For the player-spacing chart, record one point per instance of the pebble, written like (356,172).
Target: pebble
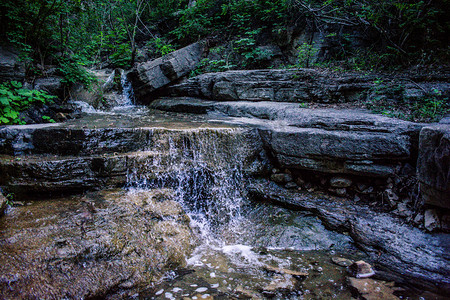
(343,262)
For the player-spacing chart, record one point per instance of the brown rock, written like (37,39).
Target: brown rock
(370,289)
(284,271)
(340,261)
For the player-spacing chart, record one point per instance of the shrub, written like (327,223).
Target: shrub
(14,99)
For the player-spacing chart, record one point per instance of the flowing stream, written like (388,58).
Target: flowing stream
(183,216)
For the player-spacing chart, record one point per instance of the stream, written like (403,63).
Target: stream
(182,227)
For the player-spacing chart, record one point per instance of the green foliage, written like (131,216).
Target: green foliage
(121,57)
(73,72)
(14,99)
(390,101)
(161,46)
(305,56)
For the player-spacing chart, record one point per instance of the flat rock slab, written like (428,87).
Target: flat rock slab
(327,140)
(92,245)
(298,85)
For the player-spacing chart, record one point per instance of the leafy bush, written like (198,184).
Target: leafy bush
(160,46)
(305,56)
(389,100)
(73,72)
(14,99)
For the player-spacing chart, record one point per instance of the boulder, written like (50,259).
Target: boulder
(150,76)
(433,165)
(52,85)
(11,68)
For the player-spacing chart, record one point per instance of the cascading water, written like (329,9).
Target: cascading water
(127,97)
(200,167)
(238,240)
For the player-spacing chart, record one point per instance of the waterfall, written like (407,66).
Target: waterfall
(127,96)
(203,167)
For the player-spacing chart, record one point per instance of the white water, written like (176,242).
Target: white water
(124,102)
(204,169)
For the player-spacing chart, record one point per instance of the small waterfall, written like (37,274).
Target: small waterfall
(203,167)
(127,96)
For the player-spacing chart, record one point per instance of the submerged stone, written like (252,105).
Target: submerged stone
(370,289)
(90,246)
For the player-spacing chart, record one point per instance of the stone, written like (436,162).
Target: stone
(291,185)
(301,85)
(403,210)
(431,220)
(11,68)
(418,219)
(99,243)
(330,141)
(390,196)
(340,261)
(404,251)
(150,76)
(433,165)
(370,289)
(3,204)
(281,178)
(86,153)
(280,283)
(340,182)
(283,271)
(361,269)
(52,84)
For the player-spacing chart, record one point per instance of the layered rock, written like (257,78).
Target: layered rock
(150,76)
(62,158)
(299,85)
(433,166)
(11,68)
(393,245)
(326,140)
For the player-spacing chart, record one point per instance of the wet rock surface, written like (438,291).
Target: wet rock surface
(87,153)
(395,247)
(92,245)
(370,289)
